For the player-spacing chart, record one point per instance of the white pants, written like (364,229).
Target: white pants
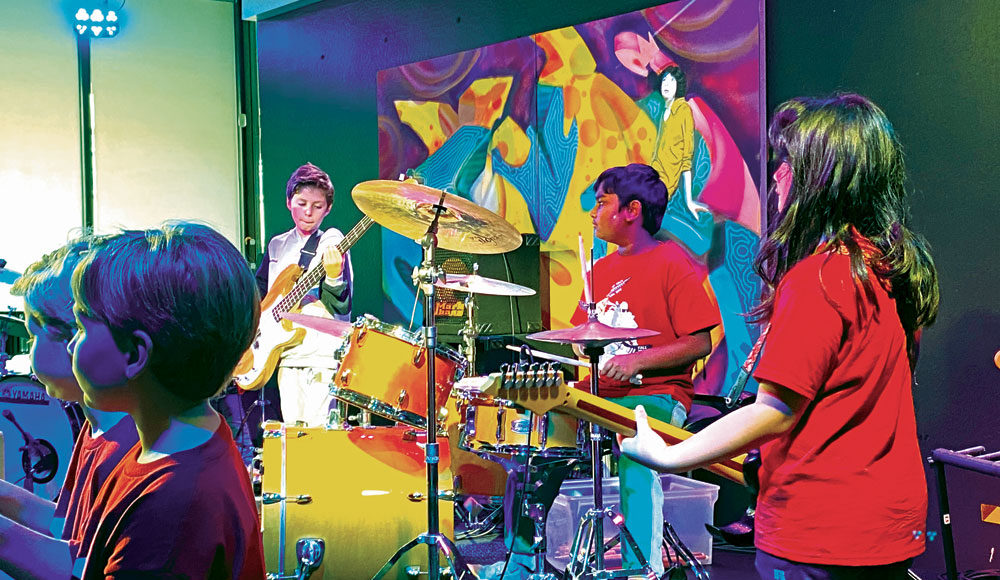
(305,395)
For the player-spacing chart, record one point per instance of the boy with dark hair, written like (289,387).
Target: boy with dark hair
(163,316)
(38,532)
(646,283)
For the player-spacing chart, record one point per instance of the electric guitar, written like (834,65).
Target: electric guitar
(274,333)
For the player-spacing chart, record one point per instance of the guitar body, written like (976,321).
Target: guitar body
(274,334)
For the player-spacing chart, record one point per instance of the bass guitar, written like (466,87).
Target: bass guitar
(274,333)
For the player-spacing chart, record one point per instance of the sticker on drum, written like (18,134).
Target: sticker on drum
(383,368)
(38,435)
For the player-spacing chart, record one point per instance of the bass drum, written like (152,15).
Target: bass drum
(38,433)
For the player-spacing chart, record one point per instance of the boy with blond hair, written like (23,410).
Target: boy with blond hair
(163,315)
(39,533)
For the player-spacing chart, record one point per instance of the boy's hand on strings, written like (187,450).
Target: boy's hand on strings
(333,262)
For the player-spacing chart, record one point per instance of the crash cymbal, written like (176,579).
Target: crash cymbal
(324,325)
(476,284)
(407,208)
(592,333)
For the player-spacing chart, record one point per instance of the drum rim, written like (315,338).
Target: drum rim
(370,322)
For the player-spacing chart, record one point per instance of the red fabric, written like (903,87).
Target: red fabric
(188,515)
(845,486)
(93,460)
(660,289)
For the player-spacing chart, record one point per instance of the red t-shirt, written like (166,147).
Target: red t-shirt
(93,460)
(663,289)
(188,515)
(845,486)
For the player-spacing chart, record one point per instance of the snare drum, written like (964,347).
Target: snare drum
(493,425)
(51,423)
(382,368)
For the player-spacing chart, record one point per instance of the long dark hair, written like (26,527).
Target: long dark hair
(848,191)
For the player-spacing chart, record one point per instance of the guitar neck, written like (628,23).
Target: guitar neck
(312,277)
(583,405)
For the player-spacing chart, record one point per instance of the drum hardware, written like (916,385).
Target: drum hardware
(39,459)
(47,439)
(272,498)
(536,512)
(437,219)
(587,552)
(417,496)
(309,553)
(11,326)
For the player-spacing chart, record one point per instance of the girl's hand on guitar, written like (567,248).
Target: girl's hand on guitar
(333,262)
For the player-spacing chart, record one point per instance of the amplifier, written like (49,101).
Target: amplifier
(495,315)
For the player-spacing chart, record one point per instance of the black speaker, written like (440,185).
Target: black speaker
(495,315)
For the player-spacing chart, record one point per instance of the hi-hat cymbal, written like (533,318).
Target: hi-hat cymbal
(407,208)
(592,333)
(476,284)
(324,325)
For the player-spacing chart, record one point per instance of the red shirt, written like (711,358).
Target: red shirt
(93,460)
(845,486)
(188,515)
(663,289)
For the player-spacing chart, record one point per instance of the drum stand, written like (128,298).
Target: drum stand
(424,277)
(587,553)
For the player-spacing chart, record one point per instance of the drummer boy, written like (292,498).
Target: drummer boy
(41,538)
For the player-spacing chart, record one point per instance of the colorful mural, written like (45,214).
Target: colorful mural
(524,127)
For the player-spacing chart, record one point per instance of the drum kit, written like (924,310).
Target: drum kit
(408,377)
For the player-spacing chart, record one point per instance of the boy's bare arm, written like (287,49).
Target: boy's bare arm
(26,508)
(28,555)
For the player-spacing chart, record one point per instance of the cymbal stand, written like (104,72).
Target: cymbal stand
(469,332)
(424,277)
(590,535)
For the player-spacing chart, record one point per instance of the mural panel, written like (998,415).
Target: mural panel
(524,127)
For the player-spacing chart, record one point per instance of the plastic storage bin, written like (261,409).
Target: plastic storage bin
(687,504)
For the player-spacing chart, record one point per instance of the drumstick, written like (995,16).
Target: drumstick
(583,270)
(636,380)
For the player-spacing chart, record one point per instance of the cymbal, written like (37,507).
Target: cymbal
(407,208)
(591,333)
(324,325)
(476,284)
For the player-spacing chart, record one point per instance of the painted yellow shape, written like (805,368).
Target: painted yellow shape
(566,56)
(432,122)
(483,102)
(990,513)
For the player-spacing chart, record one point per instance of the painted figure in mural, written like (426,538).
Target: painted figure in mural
(162,317)
(306,370)
(673,150)
(40,534)
(848,289)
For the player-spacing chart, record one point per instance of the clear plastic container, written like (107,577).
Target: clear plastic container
(687,504)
